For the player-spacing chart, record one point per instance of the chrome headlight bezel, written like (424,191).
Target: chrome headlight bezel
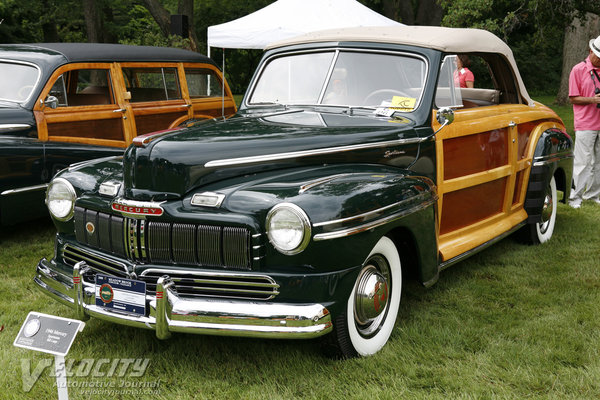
(69,190)
(303,227)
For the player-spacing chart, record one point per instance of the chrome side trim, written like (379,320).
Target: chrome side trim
(14,127)
(366,215)
(318,182)
(81,164)
(550,159)
(8,192)
(373,224)
(307,153)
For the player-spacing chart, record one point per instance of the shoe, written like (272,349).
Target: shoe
(575,204)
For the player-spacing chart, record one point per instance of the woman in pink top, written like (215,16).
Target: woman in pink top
(464,76)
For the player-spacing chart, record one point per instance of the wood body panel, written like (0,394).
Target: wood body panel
(483,163)
(114,120)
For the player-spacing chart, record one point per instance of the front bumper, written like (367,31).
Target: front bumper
(169,312)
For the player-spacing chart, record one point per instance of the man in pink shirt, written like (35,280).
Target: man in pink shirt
(584,93)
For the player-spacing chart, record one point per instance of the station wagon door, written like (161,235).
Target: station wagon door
(208,96)
(156,97)
(89,109)
(480,158)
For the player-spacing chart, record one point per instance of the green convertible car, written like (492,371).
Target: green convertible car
(355,159)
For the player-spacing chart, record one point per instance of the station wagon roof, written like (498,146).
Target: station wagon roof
(105,52)
(447,40)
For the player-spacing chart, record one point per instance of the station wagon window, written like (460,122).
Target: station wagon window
(17,81)
(203,82)
(494,83)
(152,84)
(83,87)
(344,78)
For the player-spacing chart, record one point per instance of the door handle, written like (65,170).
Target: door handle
(120,110)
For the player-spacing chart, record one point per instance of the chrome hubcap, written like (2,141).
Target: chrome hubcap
(546,212)
(372,296)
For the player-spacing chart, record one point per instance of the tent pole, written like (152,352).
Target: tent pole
(223,88)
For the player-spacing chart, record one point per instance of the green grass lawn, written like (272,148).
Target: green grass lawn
(513,321)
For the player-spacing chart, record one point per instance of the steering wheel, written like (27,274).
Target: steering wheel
(382,94)
(24,91)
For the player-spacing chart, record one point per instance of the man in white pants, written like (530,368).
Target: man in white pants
(584,93)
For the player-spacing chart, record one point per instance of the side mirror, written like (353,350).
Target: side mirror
(51,101)
(444,116)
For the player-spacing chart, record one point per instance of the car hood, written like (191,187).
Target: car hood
(172,165)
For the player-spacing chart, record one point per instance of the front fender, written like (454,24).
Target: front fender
(349,208)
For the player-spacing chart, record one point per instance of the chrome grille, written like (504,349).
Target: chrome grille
(200,284)
(164,242)
(187,283)
(72,255)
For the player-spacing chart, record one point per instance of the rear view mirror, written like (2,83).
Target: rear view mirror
(444,116)
(51,101)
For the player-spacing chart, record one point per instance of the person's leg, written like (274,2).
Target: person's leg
(593,190)
(582,165)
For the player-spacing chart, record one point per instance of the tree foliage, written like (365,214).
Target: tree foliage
(534,29)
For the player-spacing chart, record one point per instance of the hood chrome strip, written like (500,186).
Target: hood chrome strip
(228,162)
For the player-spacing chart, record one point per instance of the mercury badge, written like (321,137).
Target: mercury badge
(137,209)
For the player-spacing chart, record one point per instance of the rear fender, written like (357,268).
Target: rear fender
(551,156)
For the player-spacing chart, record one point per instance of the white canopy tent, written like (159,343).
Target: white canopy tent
(288,18)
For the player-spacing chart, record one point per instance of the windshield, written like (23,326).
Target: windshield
(17,81)
(344,78)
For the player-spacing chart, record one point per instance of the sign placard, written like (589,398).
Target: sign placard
(121,294)
(48,333)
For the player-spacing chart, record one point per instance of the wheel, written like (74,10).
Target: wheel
(377,96)
(541,232)
(371,311)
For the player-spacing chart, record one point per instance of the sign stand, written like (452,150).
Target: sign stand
(53,335)
(61,378)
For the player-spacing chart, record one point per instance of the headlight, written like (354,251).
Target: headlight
(60,199)
(288,228)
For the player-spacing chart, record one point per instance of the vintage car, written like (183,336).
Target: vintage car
(62,103)
(354,161)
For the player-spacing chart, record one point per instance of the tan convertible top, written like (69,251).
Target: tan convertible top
(448,40)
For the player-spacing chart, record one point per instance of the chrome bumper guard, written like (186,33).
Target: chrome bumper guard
(167,312)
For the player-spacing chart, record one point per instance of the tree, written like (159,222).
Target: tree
(576,49)
(535,30)
(409,12)
(93,21)
(163,18)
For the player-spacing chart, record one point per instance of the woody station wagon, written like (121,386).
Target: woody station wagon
(62,103)
(355,158)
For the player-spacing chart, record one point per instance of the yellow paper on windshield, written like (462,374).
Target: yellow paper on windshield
(403,103)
